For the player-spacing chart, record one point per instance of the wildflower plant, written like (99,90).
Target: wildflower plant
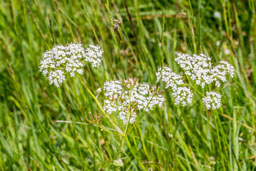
(129,96)
(61,61)
(200,71)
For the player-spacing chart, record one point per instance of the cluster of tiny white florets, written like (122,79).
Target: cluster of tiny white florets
(219,72)
(70,59)
(170,78)
(199,68)
(94,55)
(128,96)
(212,100)
(182,95)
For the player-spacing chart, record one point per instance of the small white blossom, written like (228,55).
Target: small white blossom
(118,162)
(113,89)
(226,51)
(197,67)
(56,77)
(146,96)
(217,14)
(70,59)
(171,79)
(94,55)
(218,43)
(183,96)
(219,72)
(98,90)
(212,100)
(128,97)
(127,114)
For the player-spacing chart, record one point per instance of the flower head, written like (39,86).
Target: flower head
(212,100)
(219,72)
(171,79)
(94,55)
(129,96)
(197,67)
(183,96)
(113,89)
(70,59)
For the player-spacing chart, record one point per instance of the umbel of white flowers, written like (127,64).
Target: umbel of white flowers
(212,100)
(182,94)
(129,96)
(70,59)
(199,69)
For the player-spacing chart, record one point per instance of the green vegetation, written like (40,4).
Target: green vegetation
(167,138)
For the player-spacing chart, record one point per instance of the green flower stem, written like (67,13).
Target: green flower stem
(129,108)
(191,85)
(218,127)
(133,153)
(83,123)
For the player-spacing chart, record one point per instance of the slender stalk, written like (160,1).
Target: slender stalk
(83,123)
(217,123)
(126,128)
(194,88)
(133,153)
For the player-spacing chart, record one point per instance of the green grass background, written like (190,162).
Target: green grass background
(168,138)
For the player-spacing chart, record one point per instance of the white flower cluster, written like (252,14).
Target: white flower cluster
(171,79)
(212,100)
(199,68)
(60,60)
(219,72)
(128,96)
(94,55)
(182,95)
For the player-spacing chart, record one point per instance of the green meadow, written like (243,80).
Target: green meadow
(44,127)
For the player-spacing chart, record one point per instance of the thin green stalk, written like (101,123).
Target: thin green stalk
(219,147)
(133,153)
(142,142)
(83,123)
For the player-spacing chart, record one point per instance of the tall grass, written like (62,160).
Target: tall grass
(168,138)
